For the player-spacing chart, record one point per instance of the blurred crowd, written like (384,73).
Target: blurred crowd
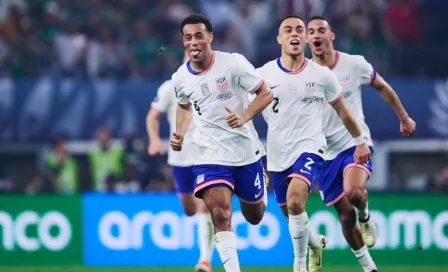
(109,166)
(121,38)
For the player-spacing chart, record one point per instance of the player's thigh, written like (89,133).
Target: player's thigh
(214,184)
(249,183)
(183,183)
(183,179)
(346,211)
(305,170)
(200,205)
(355,175)
(280,185)
(209,176)
(218,201)
(331,181)
(250,189)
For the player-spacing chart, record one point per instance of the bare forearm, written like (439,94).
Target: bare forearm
(391,98)
(263,99)
(351,124)
(183,118)
(152,125)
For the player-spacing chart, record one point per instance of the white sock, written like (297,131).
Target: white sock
(313,238)
(364,258)
(299,238)
(205,234)
(226,246)
(363,214)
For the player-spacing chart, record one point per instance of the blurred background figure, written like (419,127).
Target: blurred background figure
(106,161)
(58,170)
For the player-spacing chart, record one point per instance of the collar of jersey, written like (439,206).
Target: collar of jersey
(279,63)
(196,73)
(335,61)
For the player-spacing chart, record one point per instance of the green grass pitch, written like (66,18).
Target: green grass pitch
(270,269)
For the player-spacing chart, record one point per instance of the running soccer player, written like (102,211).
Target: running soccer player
(182,168)
(342,181)
(213,87)
(295,140)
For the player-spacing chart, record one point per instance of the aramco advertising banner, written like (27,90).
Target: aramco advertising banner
(151,230)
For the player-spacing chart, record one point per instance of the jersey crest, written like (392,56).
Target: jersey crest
(221,83)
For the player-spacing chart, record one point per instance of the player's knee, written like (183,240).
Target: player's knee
(355,195)
(347,217)
(221,216)
(295,204)
(190,210)
(255,216)
(254,219)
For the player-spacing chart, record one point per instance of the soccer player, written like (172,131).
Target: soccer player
(213,87)
(342,181)
(182,168)
(296,141)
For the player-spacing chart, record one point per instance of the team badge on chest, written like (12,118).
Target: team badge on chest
(221,83)
(309,87)
(345,83)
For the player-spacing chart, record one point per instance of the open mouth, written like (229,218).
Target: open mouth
(295,42)
(317,43)
(195,52)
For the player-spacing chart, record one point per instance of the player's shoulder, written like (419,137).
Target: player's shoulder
(314,67)
(181,73)
(346,58)
(227,57)
(268,66)
(165,87)
(166,84)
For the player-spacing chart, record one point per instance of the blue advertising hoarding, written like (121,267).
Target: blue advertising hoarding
(151,230)
(40,109)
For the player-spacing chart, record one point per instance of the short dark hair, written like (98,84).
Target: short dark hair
(323,18)
(287,17)
(196,18)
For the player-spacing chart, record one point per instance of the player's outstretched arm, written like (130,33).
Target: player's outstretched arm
(152,128)
(407,125)
(263,99)
(362,153)
(183,119)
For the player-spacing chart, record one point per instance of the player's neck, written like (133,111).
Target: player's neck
(328,59)
(292,63)
(203,65)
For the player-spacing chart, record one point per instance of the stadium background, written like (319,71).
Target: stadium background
(73,71)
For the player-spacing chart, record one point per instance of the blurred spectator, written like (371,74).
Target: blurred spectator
(362,40)
(58,171)
(144,48)
(120,39)
(71,48)
(106,161)
(107,57)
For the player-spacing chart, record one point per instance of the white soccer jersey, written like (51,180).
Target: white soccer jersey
(165,101)
(225,82)
(352,72)
(295,117)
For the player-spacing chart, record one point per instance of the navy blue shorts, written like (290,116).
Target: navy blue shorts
(246,181)
(306,167)
(331,176)
(183,179)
